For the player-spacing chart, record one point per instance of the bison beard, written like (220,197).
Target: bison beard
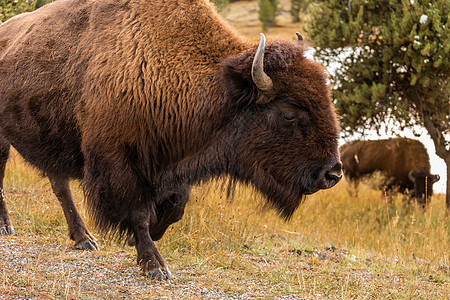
(140,100)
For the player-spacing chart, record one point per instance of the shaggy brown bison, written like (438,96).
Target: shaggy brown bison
(404,163)
(141,99)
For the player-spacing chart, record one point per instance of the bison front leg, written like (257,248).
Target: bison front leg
(169,210)
(148,257)
(77,229)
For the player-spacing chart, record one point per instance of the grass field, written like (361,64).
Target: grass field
(337,246)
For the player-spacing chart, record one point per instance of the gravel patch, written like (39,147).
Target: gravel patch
(30,270)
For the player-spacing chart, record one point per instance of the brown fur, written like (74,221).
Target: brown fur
(395,158)
(142,99)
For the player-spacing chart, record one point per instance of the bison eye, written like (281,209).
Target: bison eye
(289,116)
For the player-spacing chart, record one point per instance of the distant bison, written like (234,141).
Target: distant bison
(142,99)
(404,162)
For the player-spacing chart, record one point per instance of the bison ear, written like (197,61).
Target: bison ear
(411,176)
(239,87)
(244,78)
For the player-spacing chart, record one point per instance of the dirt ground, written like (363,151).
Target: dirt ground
(243,15)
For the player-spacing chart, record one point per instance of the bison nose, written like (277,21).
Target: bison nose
(332,176)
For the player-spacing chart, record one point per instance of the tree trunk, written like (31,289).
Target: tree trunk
(439,144)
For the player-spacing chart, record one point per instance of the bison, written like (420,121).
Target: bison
(142,99)
(403,162)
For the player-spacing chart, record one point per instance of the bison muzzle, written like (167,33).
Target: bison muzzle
(142,99)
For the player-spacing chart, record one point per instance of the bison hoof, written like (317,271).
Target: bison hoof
(7,231)
(87,245)
(159,274)
(168,273)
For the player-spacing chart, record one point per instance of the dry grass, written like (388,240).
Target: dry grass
(337,245)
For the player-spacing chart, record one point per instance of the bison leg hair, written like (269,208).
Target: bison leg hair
(352,187)
(78,231)
(168,211)
(148,257)
(6,227)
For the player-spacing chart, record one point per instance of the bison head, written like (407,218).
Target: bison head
(284,140)
(423,184)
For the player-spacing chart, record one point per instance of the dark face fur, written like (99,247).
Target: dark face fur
(285,140)
(423,185)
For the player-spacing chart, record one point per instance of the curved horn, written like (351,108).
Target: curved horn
(411,176)
(261,79)
(436,177)
(299,36)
